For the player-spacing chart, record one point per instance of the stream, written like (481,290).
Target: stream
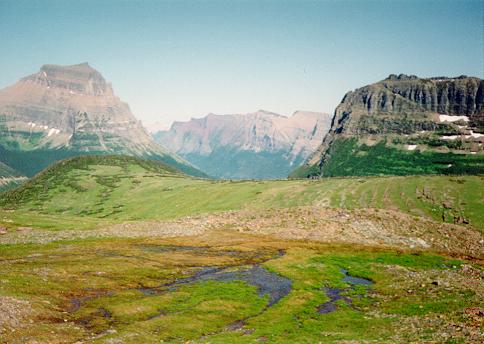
(268,283)
(334,294)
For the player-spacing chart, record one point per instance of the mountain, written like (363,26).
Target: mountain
(7,171)
(155,127)
(405,125)
(260,145)
(64,111)
(9,177)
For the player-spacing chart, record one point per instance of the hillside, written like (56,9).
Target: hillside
(259,145)
(103,249)
(405,125)
(83,191)
(9,177)
(64,111)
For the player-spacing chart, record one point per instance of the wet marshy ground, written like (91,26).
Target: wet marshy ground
(232,266)
(217,289)
(268,284)
(335,294)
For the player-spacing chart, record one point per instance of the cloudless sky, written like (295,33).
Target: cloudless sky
(172,60)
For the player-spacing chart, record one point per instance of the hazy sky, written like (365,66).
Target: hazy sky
(172,60)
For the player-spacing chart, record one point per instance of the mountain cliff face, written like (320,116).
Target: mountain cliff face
(9,177)
(405,125)
(70,110)
(260,145)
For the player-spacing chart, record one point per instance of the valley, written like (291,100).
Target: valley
(241,172)
(114,249)
(258,145)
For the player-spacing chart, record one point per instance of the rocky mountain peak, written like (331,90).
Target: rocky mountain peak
(438,115)
(73,110)
(77,79)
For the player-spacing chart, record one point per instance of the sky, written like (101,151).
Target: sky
(173,60)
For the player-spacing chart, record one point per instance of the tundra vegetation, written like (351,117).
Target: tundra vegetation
(109,249)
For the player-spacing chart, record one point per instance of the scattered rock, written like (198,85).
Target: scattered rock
(447,204)
(13,312)
(474,311)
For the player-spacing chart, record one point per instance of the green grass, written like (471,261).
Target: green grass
(29,162)
(105,275)
(83,192)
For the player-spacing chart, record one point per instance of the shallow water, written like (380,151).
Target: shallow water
(334,294)
(355,280)
(267,283)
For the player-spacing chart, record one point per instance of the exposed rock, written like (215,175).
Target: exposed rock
(255,145)
(72,108)
(438,114)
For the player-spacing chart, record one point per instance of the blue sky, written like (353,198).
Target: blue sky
(172,60)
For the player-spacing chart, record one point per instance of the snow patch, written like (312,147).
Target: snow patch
(411,147)
(447,118)
(450,137)
(53,131)
(475,135)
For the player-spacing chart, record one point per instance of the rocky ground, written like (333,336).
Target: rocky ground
(362,226)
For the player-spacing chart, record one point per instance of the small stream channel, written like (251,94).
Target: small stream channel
(268,283)
(334,294)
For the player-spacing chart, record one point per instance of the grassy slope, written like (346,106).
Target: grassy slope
(103,276)
(31,162)
(74,196)
(347,158)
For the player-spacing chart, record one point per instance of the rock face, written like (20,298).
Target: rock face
(71,109)
(431,123)
(7,171)
(256,145)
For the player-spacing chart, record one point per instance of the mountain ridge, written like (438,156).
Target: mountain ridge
(244,146)
(437,122)
(72,110)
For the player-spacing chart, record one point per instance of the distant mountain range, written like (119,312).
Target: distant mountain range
(259,145)
(405,125)
(64,111)
(398,126)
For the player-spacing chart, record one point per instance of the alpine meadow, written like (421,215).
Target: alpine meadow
(349,210)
